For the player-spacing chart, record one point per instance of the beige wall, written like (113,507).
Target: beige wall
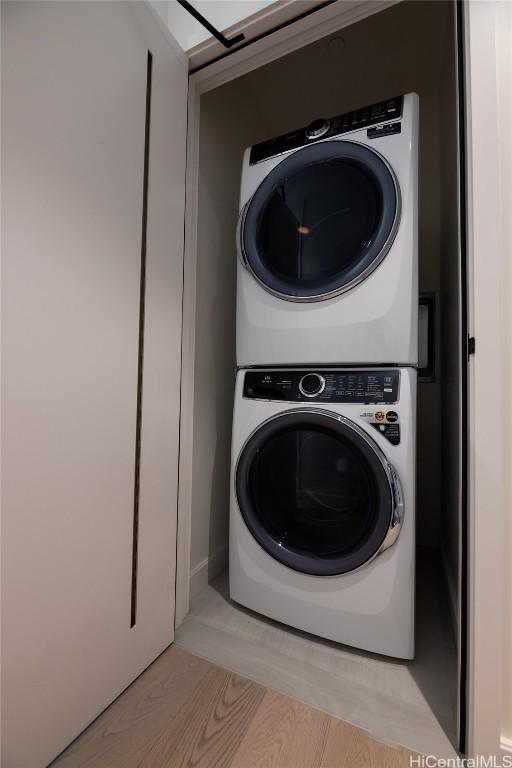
(220,164)
(488,82)
(385,55)
(503,25)
(73,135)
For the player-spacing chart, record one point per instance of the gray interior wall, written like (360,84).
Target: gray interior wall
(393,52)
(219,175)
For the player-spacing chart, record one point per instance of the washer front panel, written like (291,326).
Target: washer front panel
(314,492)
(321,221)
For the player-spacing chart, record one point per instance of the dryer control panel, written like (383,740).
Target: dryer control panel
(325,129)
(324,385)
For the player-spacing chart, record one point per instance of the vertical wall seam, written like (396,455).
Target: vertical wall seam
(140,368)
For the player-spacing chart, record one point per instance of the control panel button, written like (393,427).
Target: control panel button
(311,384)
(392,416)
(317,128)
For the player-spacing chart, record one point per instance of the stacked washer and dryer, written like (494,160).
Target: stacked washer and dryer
(322,520)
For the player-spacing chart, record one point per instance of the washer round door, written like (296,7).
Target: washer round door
(321,221)
(316,492)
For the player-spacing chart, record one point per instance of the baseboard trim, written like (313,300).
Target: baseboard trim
(207,569)
(452,595)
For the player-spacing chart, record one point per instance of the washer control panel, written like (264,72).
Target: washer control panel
(383,111)
(324,385)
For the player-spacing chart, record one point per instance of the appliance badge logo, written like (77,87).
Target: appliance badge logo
(385,422)
(379,416)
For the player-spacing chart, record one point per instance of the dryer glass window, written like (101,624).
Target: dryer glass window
(316,497)
(321,221)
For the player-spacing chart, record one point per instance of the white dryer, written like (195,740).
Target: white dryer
(322,520)
(328,244)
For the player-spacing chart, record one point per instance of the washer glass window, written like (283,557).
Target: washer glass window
(314,494)
(321,220)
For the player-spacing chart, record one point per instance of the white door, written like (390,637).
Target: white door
(488,130)
(88,596)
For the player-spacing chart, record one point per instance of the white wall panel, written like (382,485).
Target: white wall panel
(73,133)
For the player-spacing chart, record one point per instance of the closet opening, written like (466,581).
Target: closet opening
(409,48)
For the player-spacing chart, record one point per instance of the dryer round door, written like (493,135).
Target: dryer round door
(321,221)
(316,492)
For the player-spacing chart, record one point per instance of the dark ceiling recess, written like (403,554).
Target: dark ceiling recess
(211,29)
(234,41)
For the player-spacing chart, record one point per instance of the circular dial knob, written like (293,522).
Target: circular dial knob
(317,128)
(312,384)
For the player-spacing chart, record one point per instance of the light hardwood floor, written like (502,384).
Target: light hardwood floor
(408,703)
(186,712)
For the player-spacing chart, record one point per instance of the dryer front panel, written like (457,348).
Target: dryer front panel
(316,492)
(321,221)
(327,272)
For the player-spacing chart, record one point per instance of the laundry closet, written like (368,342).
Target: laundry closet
(408,48)
(122,246)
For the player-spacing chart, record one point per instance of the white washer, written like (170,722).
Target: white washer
(322,528)
(327,242)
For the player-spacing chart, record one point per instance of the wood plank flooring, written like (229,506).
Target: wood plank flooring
(185,712)
(410,703)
